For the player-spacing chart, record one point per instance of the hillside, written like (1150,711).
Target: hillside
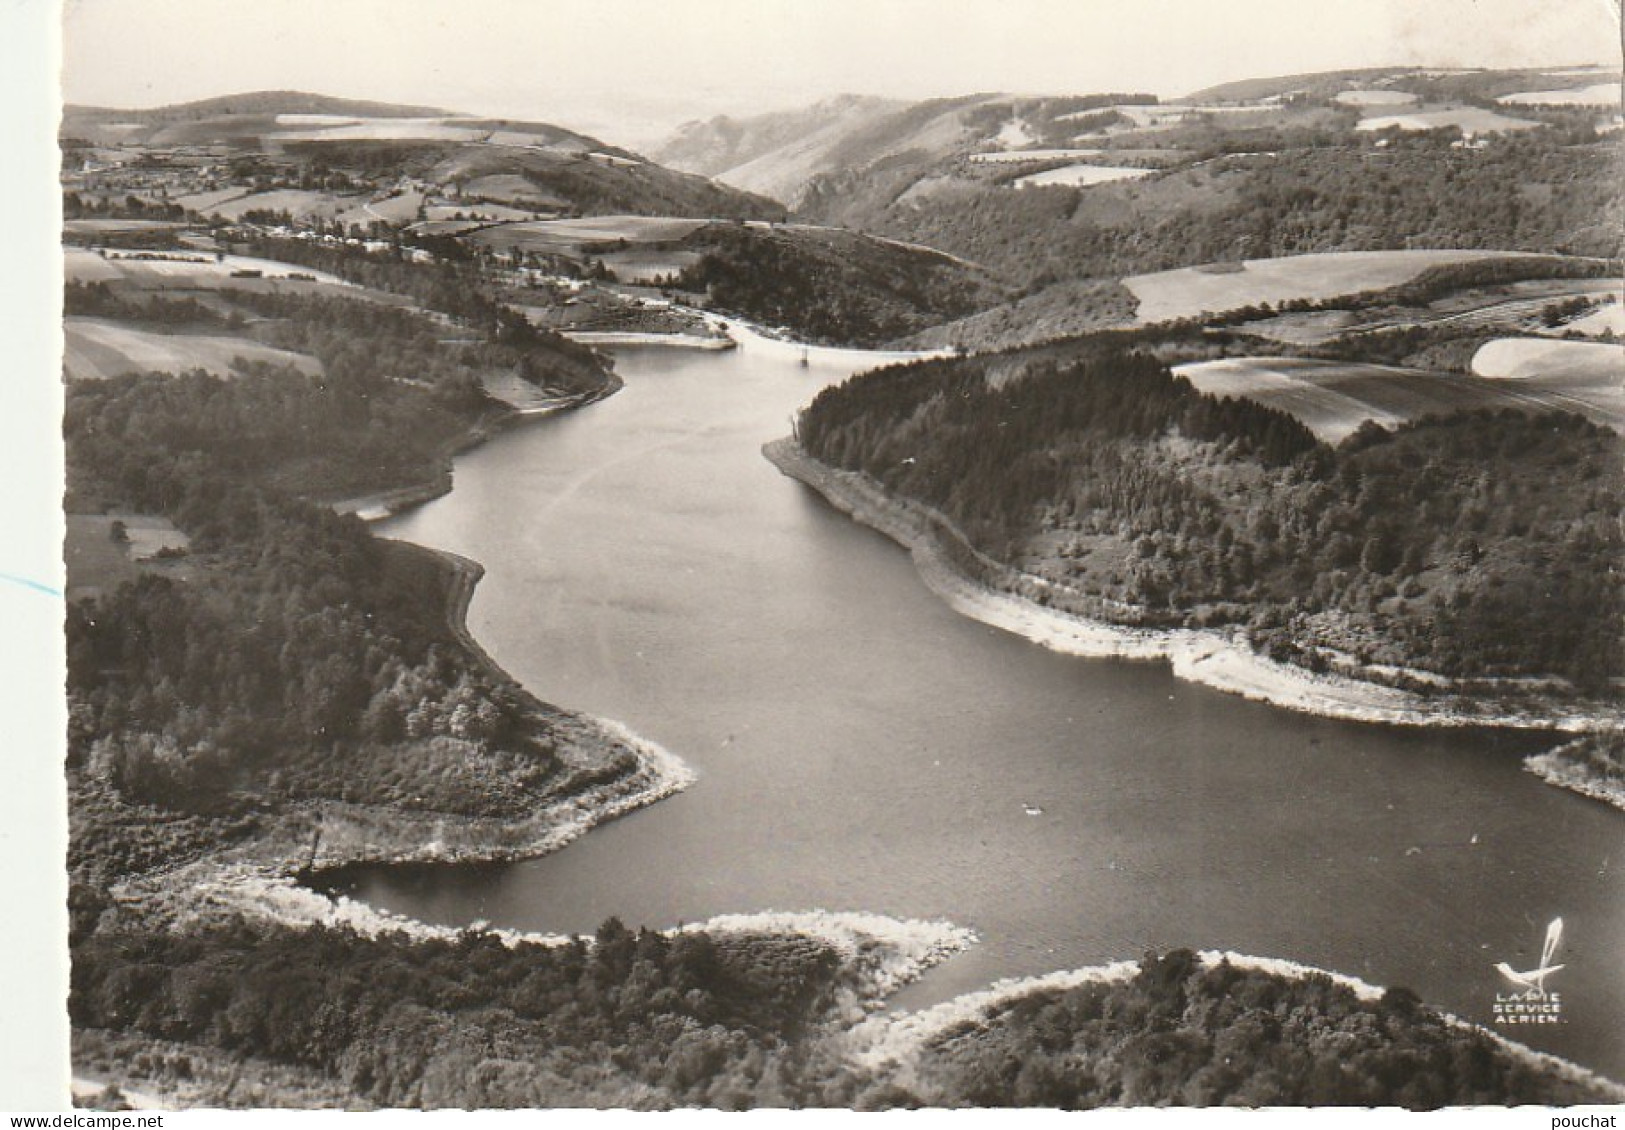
(781,154)
(1120,492)
(252,102)
(364,154)
(1062,197)
(1314,194)
(773,154)
(1202,1031)
(1464,82)
(828,285)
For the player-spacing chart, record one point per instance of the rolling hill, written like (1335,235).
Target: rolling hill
(773,154)
(279,136)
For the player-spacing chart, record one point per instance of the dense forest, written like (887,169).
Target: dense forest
(831,286)
(392,392)
(1182,1033)
(622,1019)
(1479,545)
(300,658)
(644,1020)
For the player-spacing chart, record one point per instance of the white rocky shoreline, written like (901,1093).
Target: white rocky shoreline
(1554,770)
(895,1040)
(1221,660)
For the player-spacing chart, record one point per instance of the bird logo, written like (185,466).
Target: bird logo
(1535,979)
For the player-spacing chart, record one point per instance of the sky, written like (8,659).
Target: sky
(631,70)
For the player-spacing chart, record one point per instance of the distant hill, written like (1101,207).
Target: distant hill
(1060,197)
(1454,82)
(1315,82)
(255,102)
(780,154)
(774,154)
(481,157)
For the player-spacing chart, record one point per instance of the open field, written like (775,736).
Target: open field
(182,271)
(385,129)
(1526,358)
(509,188)
(1600,94)
(206,202)
(1375,98)
(1512,306)
(1609,320)
(1077,176)
(104,227)
(1332,398)
(645,265)
(447,227)
(96,349)
(295,121)
(296,202)
(399,209)
(524,139)
(1469,119)
(1588,377)
(567,235)
(97,564)
(477,210)
(1211,288)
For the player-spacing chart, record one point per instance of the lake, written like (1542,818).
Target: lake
(862,747)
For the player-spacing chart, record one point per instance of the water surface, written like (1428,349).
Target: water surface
(862,747)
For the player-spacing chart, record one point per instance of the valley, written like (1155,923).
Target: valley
(1286,417)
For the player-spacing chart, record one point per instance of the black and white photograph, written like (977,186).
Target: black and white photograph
(844,555)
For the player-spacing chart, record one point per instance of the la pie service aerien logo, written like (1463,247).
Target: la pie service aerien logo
(1529,1002)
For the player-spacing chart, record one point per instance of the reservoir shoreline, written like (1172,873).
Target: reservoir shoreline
(267,877)
(1216,659)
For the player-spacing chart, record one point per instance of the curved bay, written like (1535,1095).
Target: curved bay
(862,747)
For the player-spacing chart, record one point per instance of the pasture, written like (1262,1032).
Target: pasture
(299,203)
(1191,291)
(401,208)
(205,203)
(648,265)
(1599,94)
(385,129)
(97,349)
(447,227)
(1528,358)
(1510,306)
(97,563)
(118,226)
(184,271)
(1468,119)
(519,139)
(565,236)
(1375,98)
(1608,320)
(1587,376)
(489,213)
(1332,398)
(509,188)
(1081,176)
